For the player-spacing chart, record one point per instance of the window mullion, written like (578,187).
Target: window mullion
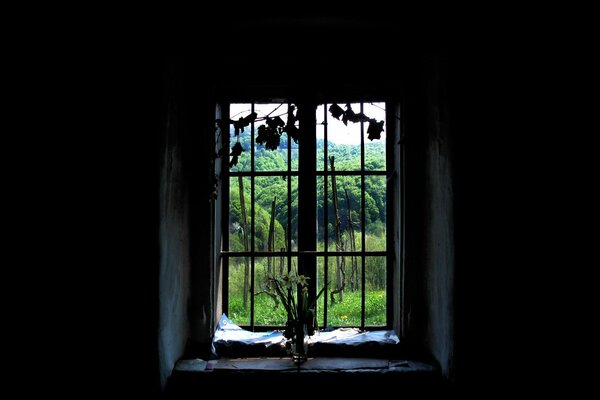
(307,193)
(325,216)
(252,215)
(362,220)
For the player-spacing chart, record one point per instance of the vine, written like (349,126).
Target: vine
(269,134)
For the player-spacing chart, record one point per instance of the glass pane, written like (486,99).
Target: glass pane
(321,234)
(343,142)
(344,213)
(268,159)
(294,155)
(237,111)
(294,212)
(321,120)
(375,291)
(320,284)
(240,213)
(374,149)
(268,307)
(239,290)
(270,217)
(344,304)
(375,209)
(293,143)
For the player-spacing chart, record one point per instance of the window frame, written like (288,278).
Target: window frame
(394,213)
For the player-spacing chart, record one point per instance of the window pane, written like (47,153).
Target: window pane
(347,195)
(320,284)
(375,209)
(239,290)
(344,306)
(268,159)
(237,111)
(239,228)
(321,137)
(268,309)
(375,291)
(343,142)
(294,154)
(270,217)
(294,212)
(375,149)
(321,235)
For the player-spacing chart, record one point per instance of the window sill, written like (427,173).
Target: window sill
(337,374)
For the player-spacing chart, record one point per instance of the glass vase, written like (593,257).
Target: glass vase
(299,345)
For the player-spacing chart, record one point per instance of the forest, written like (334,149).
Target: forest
(271,220)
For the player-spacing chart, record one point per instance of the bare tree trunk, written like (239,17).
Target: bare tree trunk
(353,260)
(245,240)
(339,246)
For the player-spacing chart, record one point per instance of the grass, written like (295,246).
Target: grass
(345,313)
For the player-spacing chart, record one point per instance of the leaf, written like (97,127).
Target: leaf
(291,117)
(336,111)
(273,141)
(261,134)
(238,126)
(274,123)
(242,122)
(361,117)
(292,132)
(236,151)
(268,136)
(375,129)
(348,115)
(290,127)
(250,118)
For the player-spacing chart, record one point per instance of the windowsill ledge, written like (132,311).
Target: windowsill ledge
(335,373)
(285,364)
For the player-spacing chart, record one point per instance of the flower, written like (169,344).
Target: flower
(298,309)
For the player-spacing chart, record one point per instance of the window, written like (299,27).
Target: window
(318,207)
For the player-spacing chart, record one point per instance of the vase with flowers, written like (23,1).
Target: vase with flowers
(292,291)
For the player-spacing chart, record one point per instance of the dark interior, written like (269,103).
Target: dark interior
(156,97)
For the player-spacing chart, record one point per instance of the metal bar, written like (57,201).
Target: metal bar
(225,211)
(352,173)
(362,220)
(312,253)
(252,221)
(266,328)
(296,173)
(390,262)
(289,201)
(263,173)
(307,201)
(325,214)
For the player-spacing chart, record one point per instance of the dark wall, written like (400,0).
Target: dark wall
(159,173)
(438,247)
(174,224)
(308,58)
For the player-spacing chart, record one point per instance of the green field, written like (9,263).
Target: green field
(346,313)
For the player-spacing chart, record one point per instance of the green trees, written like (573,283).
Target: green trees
(271,199)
